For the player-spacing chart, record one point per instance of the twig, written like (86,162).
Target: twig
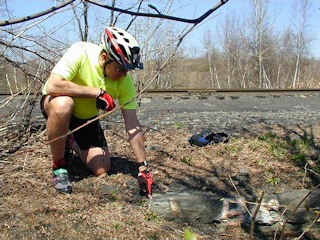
(25,161)
(244,204)
(7,78)
(4,161)
(253,219)
(19,34)
(296,208)
(308,228)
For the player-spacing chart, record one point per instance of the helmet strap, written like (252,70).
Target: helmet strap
(104,67)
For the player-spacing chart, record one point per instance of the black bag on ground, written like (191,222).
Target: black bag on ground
(206,137)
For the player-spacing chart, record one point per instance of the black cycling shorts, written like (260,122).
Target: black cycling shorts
(89,136)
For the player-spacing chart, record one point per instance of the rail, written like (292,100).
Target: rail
(206,91)
(182,91)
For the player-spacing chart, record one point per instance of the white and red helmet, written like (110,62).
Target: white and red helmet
(122,47)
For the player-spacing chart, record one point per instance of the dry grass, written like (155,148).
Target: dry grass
(110,207)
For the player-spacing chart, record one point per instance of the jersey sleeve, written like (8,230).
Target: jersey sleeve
(69,65)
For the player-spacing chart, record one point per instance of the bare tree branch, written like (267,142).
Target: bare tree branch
(193,21)
(132,20)
(27,50)
(112,12)
(40,14)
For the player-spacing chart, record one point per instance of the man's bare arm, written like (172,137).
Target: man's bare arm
(58,86)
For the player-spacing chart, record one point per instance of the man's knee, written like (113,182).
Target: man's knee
(60,106)
(98,161)
(100,168)
(100,171)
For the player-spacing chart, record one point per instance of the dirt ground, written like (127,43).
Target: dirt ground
(110,207)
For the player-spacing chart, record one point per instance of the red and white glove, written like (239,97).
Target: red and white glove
(105,101)
(145,181)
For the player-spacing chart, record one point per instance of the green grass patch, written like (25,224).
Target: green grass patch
(152,216)
(277,146)
(186,160)
(273,179)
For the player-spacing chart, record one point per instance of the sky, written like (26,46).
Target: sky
(281,8)
(193,9)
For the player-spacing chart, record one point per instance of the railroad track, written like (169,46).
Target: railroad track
(237,101)
(190,92)
(213,92)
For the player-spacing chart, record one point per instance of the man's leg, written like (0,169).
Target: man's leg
(92,142)
(97,159)
(58,111)
(71,144)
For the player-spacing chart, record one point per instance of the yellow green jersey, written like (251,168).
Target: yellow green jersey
(80,64)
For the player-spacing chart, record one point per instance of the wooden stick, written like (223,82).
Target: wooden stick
(253,219)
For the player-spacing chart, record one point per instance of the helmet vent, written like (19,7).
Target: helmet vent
(123,50)
(122,47)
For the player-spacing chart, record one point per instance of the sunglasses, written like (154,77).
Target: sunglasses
(120,68)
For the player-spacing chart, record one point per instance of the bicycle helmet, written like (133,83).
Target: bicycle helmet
(122,47)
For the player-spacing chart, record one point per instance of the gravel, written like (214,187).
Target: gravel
(230,113)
